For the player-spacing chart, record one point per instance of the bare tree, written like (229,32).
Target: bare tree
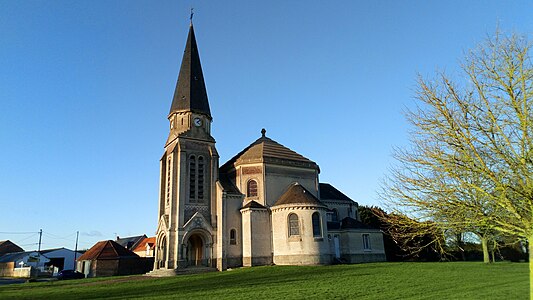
(469,166)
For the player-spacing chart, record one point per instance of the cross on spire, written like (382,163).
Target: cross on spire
(192,14)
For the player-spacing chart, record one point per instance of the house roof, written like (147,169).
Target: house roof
(267,150)
(190,93)
(142,245)
(8,246)
(14,256)
(297,194)
(106,250)
(130,242)
(329,192)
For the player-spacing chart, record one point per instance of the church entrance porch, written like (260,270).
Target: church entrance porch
(161,253)
(197,250)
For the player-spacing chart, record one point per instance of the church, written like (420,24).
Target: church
(264,206)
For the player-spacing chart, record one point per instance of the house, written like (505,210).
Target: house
(21,264)
(9,247)
(131,242)
(146,247)
(108,258)
(264,206)
(45,263)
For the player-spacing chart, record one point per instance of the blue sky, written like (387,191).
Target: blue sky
(85,88)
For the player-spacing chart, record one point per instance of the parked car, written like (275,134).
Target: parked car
(70,274)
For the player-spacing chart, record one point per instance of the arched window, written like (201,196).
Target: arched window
(233,237)
(192,178)
(294,226)
(251,188)
(317,230)
(200,179)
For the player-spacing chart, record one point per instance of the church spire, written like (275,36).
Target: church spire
(190,94)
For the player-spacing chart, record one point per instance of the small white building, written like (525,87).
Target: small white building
(62,258)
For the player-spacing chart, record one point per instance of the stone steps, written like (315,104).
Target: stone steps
(181,271)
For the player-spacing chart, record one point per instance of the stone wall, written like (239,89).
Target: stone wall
(302,249)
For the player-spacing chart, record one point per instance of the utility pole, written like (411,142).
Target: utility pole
(76,249)
(39,250)
(40,237)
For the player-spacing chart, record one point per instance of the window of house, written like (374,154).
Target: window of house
(317,230)
(366,242)
(251,189)
(294,226)
(233,237)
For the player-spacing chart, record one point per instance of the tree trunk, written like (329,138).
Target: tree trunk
(460,245)
(493,250)
(484,245)
(530,250)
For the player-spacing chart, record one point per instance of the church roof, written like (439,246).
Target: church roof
(329,192)
(297,194)
(351,223)
(190,93)
(106,250)
(267,150)
(226,183)
(253,204)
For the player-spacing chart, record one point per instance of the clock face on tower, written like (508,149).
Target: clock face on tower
(197,122)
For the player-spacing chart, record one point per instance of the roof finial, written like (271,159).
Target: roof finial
(263,132)
(192,14)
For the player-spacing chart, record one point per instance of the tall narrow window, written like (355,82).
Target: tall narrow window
(233,237)
(200,179)
(366,242)
(251,189)
(317,230)
(294,226)
(169,168)
(335,215)
(192,178)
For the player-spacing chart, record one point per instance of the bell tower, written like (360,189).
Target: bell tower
(188,172)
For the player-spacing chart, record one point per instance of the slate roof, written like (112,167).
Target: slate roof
(226,183)
(54,249)
(329,192)
(190,93)
(11,257)
(350,223)
(107,250)
(267,150)
(253,204)
(297,194)
(130,242)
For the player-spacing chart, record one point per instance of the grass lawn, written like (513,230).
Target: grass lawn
(455,280)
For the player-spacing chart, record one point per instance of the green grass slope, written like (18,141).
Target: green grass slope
(364,281)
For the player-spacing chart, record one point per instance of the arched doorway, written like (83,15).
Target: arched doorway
(195,250)
(162,252)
